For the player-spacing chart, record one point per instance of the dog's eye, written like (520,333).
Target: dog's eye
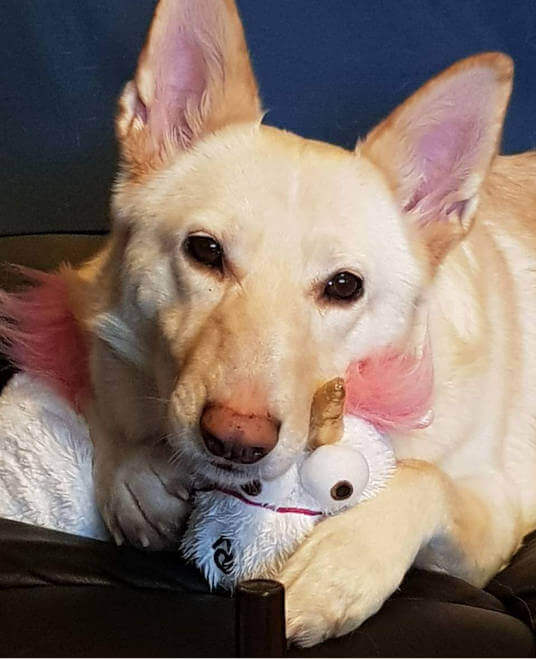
(344,286)
(205,250)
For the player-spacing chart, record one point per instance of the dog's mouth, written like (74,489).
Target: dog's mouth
(206,469)
(223,473)
(242,483)
(232,469)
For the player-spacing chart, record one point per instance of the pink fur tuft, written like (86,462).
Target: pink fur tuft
(392,391)
(40,335)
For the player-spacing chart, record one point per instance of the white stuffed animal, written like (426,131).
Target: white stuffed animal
(234,535)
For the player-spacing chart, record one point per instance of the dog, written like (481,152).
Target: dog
(246,266)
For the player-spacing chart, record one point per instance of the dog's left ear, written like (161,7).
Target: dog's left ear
(437,147)
(193,77)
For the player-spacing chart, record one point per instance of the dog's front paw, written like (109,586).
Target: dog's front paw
(143,499)
(339,577)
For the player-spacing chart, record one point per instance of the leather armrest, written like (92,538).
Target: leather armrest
(515,586)
(62,595)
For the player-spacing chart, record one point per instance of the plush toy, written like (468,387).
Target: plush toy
(236,534)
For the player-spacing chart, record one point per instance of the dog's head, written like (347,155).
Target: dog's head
(254,264)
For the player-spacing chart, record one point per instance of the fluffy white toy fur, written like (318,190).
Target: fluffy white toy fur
(233,536)
(46,479)
(46,460)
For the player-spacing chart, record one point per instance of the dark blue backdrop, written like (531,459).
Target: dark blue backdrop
(328,69)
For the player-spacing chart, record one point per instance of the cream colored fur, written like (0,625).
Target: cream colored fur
(168,335)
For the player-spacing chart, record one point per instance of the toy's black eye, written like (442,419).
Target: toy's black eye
(205,250)
(341,491)
(344,286)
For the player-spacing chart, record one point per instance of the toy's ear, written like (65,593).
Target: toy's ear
(193,77)
(436,148)
(326,425)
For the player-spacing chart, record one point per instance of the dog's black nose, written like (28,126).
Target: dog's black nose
(240,438)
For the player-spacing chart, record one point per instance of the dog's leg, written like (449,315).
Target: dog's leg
(139,493)
(352,562)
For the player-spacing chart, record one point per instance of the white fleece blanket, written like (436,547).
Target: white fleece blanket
(45,460)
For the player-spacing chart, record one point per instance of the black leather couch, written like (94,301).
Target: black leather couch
(62,595)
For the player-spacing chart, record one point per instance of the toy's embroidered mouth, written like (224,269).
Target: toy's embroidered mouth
(275,509)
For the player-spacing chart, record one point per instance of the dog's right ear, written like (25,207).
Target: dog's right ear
(193,77)
(437,147)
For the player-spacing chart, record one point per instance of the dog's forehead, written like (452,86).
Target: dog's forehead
(257,175)
(291,180)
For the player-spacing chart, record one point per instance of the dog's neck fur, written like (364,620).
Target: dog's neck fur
(477,330)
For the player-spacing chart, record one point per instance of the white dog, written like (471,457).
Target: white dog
(246,266)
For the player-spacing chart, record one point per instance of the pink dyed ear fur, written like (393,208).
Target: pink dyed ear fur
(436,147)
(392,391)
(193,77)
(40,335)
